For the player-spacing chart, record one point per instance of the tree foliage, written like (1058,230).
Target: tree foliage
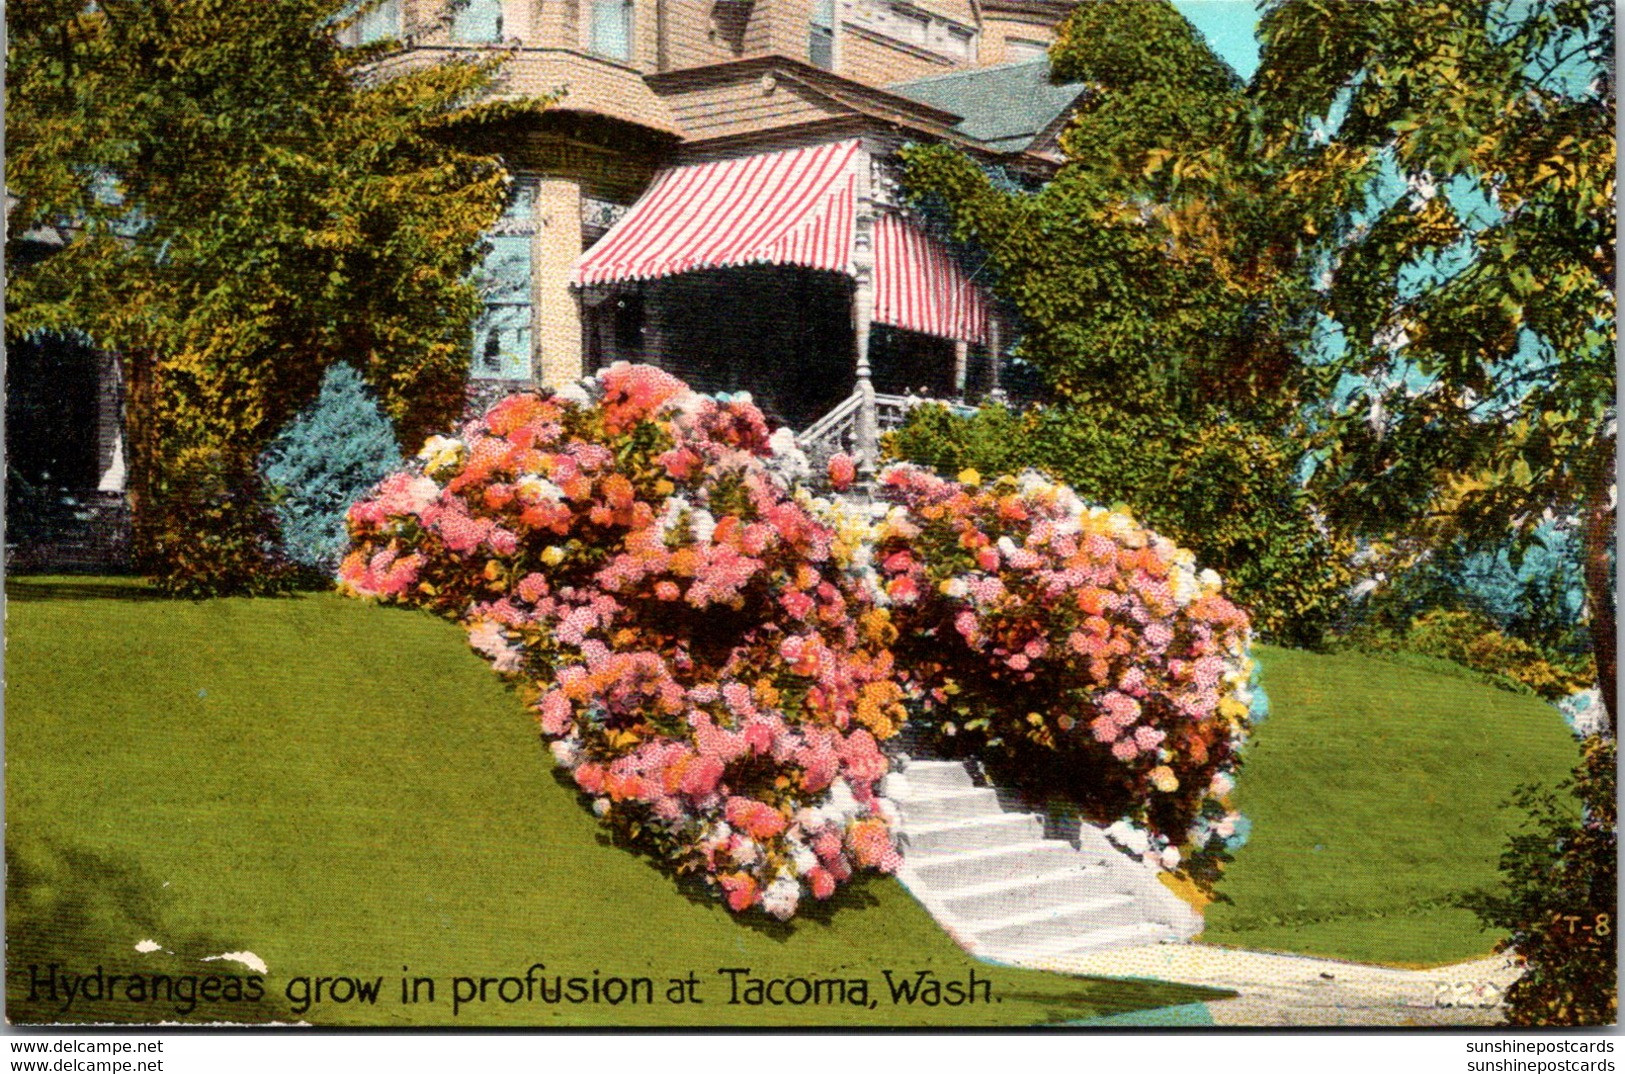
(1156,283)
(1143,288)
(1560,901)
(1461,158)
(1392,252)
(242,204)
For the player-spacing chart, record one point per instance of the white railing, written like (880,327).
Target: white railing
(837,431)
(892,410)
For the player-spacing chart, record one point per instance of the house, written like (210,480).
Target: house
(716,190)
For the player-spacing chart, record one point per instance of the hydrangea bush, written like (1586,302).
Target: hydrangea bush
(717,657)
(1084,654)
(701,652)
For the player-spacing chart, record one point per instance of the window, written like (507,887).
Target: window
(960,44)
(612,28)
(478,20)
(1020,48)
(912,26)
(378,21)
(907,24)
(502,332)
(821,35)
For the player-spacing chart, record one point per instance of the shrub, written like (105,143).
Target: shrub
(1560,900)
(701,650)
(1227,492)
(710,650)
(994,440)
(1539,597)
(206,530)
(1066,644)
(1473,641)
(325,459)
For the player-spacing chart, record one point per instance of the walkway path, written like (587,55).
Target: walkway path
(1292,990)
(1008,891)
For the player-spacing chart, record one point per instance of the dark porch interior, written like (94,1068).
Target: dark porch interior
(782,333)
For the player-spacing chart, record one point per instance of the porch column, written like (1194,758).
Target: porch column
(556,311)
(868,428)
(110,465)
(994,345)
(961,366)
(863,312)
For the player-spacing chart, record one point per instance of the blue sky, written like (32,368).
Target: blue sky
(1228,26)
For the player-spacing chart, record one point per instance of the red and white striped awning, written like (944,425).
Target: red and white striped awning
(790,208)
(797,207)
(919,286)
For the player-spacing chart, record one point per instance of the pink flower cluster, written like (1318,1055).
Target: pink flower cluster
(710,668)
(1044,626)
(717,658)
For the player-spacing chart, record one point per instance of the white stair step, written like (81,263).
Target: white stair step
(1003,898)
(926,777)
(945,873)
(973,833)
(1058,923)
(1080,943)
(1093,842)
(943,806)
(1006,892)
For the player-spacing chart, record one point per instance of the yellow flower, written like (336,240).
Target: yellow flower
(1163,778)
(969,477)
(552,555)
(441,453)
(877,626)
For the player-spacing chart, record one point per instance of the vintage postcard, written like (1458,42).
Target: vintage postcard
(951,514)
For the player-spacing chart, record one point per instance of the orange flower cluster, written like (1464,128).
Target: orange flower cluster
(713,674)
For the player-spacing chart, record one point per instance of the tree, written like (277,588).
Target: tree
(1559,899)
(1150,289)
(1393,252)
(1157,283)
(329,456)
(1462,158)
(243,205)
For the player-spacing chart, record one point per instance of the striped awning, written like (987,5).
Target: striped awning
(790,208)
(919,286)
(797,207)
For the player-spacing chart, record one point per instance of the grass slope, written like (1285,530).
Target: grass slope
(347,790)
(1377,793)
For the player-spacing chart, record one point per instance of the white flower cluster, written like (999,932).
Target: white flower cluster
(679,512)
(788,462)
(537,489)
(1152,849)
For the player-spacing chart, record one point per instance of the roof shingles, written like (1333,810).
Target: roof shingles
(1004,107)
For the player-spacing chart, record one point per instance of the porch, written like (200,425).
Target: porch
(797,277)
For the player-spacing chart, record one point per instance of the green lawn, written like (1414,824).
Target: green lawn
(345,790)
(1377,796)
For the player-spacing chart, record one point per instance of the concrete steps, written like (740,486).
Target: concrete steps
(1009,893)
